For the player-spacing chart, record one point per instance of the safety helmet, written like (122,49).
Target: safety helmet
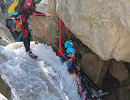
(70,50)
(68,44)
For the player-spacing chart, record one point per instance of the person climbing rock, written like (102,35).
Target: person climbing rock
(69,44)
(85,81)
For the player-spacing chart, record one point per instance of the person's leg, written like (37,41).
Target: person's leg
(26,33)
(26,41)
(89,80)
(26,37)
(92,84)
(85,86)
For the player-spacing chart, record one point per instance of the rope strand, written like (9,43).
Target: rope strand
(59,50)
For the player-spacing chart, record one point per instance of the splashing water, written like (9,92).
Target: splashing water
(44,79)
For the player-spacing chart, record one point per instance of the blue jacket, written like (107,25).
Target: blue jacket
(64,60)
(71,65)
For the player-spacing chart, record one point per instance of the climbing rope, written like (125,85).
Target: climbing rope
(49,38)
(67,32)
(45,15)
(57,47)
(60,47)
(79,84)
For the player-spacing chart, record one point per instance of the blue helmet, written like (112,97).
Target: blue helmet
(68,44)
(70,50)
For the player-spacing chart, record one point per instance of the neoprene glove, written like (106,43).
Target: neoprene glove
(41,14)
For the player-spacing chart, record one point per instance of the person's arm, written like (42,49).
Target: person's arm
(40,14)
(71,66)
(33,9)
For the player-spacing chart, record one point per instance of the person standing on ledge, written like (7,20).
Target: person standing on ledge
(28,8)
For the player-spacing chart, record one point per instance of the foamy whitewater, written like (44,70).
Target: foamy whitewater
(44,79)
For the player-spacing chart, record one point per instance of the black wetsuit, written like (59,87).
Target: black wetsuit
(85,81)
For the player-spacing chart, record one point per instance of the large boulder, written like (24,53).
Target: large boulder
(103,26)
(4,31)
(49,24)
(95,25)
(2,97)
(4,42)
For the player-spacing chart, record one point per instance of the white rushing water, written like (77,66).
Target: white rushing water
(44,79)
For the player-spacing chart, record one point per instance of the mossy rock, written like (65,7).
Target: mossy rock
(126,82)
(4,88)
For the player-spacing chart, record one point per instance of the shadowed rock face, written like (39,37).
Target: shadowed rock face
(118,70)
(118,91)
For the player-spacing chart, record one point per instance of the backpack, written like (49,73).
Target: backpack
(15,7)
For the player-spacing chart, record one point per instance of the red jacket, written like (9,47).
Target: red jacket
(28,7)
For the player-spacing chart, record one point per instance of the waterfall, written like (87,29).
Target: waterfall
(43,79)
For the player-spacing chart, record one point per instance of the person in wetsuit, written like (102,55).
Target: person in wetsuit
(85,81)
(27,9)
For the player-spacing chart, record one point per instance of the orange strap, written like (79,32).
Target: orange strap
(18,24)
